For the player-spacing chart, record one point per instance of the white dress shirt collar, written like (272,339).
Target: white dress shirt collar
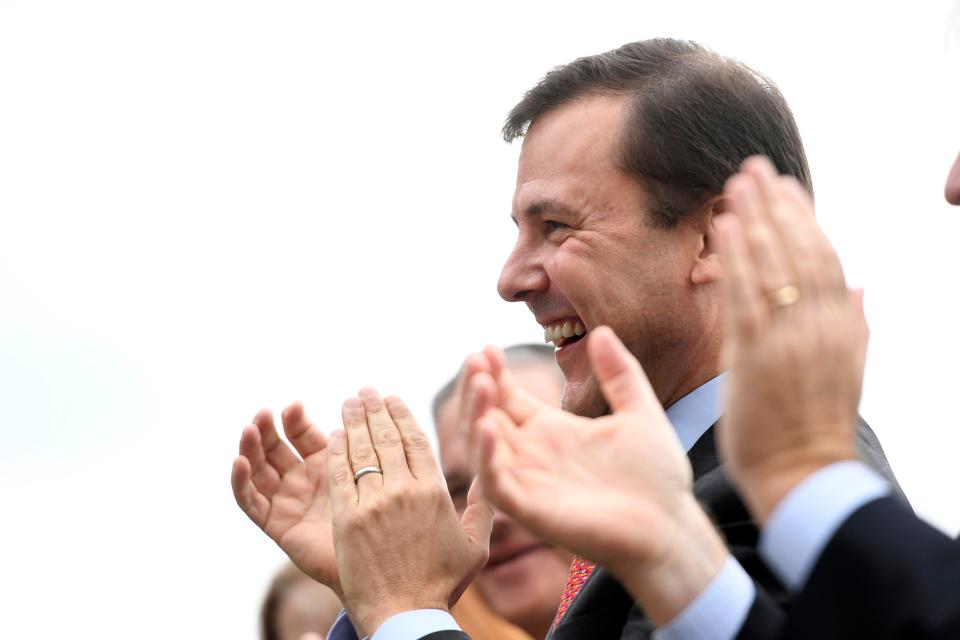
(697,411)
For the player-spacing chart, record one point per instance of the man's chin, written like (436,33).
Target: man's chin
(583,398)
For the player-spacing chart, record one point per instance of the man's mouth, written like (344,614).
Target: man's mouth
(564,332)
(501,558)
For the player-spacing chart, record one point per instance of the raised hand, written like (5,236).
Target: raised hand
(287,495)
(796,340)
(617,490)
(400,545)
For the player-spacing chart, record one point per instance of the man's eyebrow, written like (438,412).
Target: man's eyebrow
(545,205)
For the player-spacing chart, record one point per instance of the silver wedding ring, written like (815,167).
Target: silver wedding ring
(365,470)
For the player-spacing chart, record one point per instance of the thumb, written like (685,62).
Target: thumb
(477,522)
(621,379)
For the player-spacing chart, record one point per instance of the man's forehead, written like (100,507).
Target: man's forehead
(575,136)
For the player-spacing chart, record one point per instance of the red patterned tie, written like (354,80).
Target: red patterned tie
(580,570)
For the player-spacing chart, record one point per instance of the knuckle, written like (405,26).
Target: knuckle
(378,506)
(342,475)
(361,455)
(399,410)
(437,492)
(373,408)
(416,441)
(388,437)
(353,523)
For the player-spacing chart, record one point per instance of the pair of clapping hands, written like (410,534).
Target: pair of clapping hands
(390,542)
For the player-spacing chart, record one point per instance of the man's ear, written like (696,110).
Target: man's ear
(706,268)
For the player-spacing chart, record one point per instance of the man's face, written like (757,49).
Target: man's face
(587,254)
(953,183)
(524,578)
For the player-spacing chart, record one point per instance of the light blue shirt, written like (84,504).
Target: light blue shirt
(718,612)
(690,416)
(806,519)
(791,543)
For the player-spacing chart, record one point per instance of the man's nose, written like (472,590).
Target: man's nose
(522,275)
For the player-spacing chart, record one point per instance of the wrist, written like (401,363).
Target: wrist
(369,619)
(765,486)
(691,557)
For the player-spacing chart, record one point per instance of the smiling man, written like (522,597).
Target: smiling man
(621,175)
(620,179)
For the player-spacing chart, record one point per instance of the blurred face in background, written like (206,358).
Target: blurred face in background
(298,608)
(524,578)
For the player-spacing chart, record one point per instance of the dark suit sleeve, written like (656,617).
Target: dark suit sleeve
(884,574)
(446,635)
(764,620)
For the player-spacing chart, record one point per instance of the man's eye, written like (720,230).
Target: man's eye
(553,225)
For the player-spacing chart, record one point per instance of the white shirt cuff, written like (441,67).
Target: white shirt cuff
(718,612)
(806,519)
(412,625)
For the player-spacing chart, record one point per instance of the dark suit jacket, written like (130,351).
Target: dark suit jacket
(884,574)
(604,610)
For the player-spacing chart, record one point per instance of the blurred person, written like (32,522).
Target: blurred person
(619,182)
(523,580)
(297,607)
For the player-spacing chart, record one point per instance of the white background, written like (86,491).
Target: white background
(208,207)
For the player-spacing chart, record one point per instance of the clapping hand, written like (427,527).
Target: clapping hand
(796,340)
(287,495)
(617,490)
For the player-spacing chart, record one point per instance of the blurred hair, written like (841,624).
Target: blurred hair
(288,576)
(694,117)
(518,355)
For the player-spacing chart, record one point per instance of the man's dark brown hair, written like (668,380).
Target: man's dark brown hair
(694,117)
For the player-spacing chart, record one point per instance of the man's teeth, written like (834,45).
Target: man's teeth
(555,333)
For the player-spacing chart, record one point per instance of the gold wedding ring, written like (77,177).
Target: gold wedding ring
(783,297)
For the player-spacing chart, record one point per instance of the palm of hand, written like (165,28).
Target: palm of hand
(565,462)
(300,522)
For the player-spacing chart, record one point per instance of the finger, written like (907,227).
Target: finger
(343,490)
(766,249)
(481,394)
(385,435)
(496,476)
(276,450)
(818,265)
(251,502)
(620,376)
(265,477)
(474,364)
(359,445)
(301,432)
(744,306)
(519,403)
(477,522)
(791,220)
(416,445)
